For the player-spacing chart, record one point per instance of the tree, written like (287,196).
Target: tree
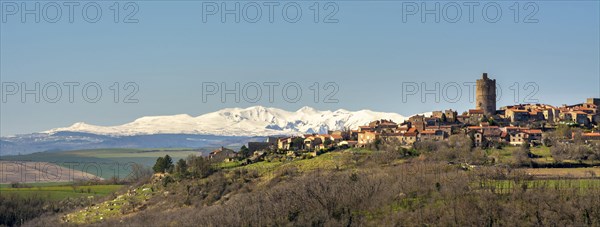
(159,165)
(376,145)
(298,143)
(139,173)
(245,152)
(181,167)
(168,164)
(523,155)
(444,118)
(200,166)
(163,164)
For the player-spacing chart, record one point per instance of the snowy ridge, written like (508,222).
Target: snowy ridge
(252,121)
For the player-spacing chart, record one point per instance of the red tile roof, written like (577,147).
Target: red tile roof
(476,111)
(519,111)
(533,131)
(410,134)
(591,134)
(428,132)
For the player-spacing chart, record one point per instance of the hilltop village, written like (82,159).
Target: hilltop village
(485,125)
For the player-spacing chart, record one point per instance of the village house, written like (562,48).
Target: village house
(336,138)
(270,144)
(391,137)
(284,143)
(367,137)
(418,122)
(536,115)
(431,135)
(365,128)
(517,115)
(438,114)
(449,129)
(495,135)
(311,142)
(410,137)
(580,118)
(551,115)
(402,129)
(222,154)
(257,146)
(592,136)
(432,121)
(327,141)
(383,126)
(535,135)
(486,133)
(354,134)
(344,135)
(565,115)
(348,143)
(519,138)
(450,115)
(463,119)
(317,142)
(474,116)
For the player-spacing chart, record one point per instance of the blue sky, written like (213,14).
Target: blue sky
(370,53)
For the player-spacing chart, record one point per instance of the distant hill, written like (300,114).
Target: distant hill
(65,141)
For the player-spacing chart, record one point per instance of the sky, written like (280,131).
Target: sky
(175,57)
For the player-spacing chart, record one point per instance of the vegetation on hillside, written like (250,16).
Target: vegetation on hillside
(447,183)
(444,184)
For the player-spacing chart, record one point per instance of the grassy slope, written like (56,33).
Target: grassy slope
(59,192)
(542,153)
(266,170)
(325,162)
(111,208)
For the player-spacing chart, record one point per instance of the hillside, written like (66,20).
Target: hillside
(352,188)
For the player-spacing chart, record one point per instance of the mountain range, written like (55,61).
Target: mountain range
(226,127)
(252,121)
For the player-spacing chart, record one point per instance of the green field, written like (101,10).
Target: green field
(43,184)
(542,155)
(59,192)
(106,163)
(505,186)
(326,161)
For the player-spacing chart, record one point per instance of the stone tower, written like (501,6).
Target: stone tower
(486,95)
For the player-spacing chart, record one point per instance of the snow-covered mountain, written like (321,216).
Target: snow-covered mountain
(252,121)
